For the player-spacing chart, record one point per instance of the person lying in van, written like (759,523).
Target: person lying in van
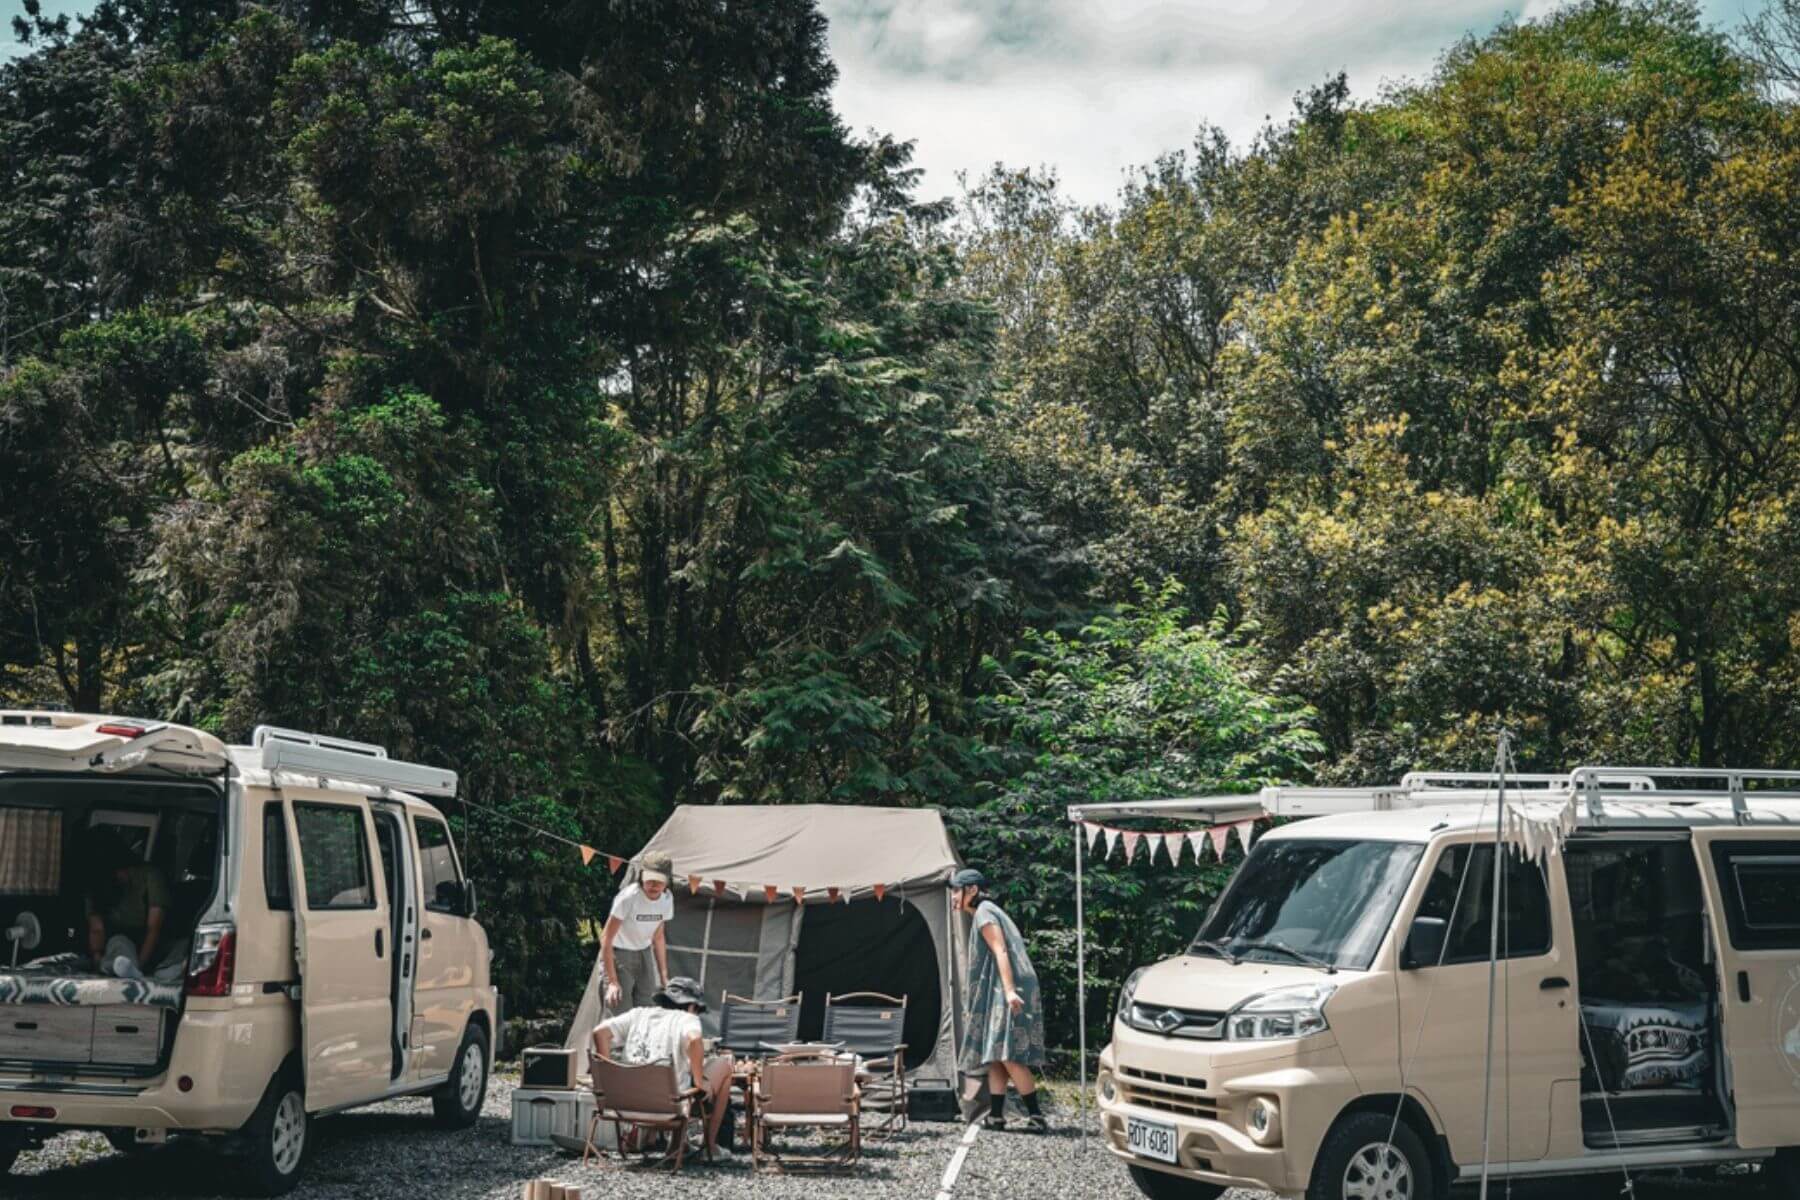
(669,1032)
(127,910)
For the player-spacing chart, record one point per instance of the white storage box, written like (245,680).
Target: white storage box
(538,1113)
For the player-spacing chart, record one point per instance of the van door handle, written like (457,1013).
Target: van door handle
(378,945)
(1744,986)
(1553,984)
(424,935)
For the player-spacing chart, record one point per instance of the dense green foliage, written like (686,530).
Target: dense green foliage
(563,393)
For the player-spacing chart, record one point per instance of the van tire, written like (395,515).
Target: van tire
(125,1141)
(13,1142)
(457,1104)
(1160,1185)
(271,1163)
(1358,1141)
(1781,1175)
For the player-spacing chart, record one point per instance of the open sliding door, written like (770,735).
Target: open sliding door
(341,941)
(1753,882)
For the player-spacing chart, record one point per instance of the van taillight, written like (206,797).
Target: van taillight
(213,961)
(119,729)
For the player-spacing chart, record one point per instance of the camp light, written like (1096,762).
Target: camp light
(1294,1012)
(1263,1121)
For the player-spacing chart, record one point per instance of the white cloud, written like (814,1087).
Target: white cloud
(1096,87)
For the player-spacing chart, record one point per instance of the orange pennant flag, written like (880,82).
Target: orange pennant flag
(769,891)
(800,895)
(719,888)
(831,894)
(880,891)
(613,863)
(693,885)
(587,855)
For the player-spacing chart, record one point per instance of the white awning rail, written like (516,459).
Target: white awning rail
(298,753)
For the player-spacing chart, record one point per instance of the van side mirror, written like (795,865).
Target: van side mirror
(454,897)
(1425,943)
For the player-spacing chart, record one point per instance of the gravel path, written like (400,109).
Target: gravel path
(393,1150)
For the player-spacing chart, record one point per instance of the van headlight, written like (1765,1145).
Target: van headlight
(1128,992)
(1294,1012)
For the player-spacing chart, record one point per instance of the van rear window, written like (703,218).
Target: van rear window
(1761,882)
(30,851)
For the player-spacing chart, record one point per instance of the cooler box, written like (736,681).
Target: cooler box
(540,1113)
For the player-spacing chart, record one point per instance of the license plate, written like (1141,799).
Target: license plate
(1150,1139)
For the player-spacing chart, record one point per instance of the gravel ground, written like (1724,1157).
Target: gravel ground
(393,1149)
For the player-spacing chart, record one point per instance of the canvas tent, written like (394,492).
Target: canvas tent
(905,943)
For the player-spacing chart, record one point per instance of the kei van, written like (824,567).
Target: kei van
(318,948)
(1329,1032)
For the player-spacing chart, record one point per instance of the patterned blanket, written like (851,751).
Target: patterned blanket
(1649,1045)
(68,979)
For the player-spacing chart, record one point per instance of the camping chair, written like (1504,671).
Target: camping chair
(872,1032)
(646,1099)
(808,1090)
(754,1028)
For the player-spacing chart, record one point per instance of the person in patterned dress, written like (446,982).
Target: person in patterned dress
(1006,1014)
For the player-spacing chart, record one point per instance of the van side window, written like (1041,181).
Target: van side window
(1761,885)
(334,850)
(278,889)
(1524,917)
(437,865)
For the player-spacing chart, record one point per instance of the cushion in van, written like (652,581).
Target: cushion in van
(1642,1046)
(69,979)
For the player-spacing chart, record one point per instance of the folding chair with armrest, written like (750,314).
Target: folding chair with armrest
(807,1090)
(872,1026)
(645,1098)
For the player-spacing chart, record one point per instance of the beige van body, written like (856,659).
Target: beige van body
(1401,1040)
(370,983)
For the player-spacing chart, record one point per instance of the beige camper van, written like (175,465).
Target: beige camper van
(317,948)
(1327,1032)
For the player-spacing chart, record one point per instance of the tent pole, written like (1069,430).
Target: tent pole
(1081,986)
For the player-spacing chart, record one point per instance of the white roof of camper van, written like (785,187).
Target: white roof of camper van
(1474,811)
(63,741)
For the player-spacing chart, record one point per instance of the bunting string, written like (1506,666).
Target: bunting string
(1170,842)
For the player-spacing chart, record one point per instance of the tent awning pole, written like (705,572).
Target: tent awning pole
(1081,986)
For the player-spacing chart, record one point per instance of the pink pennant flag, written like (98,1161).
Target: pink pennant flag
(769,891)
(719,888)
(1156,843)
(831,895)
(800,896)
(1092,830)
(587,855)
(1221,838)
(1131,845)
(1246,833)
(613,863)
(693,885)
(881,891)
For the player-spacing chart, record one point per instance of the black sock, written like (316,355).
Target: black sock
(997,1107)
(1029,1100)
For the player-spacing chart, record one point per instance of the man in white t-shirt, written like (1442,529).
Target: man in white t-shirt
(669,1031)
(634,952)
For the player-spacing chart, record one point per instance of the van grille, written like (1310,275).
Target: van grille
(1176,1022)
(1166,1093)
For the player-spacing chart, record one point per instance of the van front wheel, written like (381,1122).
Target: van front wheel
(457,1104)
(1160,1185)
(1782,1175)
(275,1138)
(1369,1157)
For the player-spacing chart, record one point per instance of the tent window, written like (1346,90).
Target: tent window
(735,928)
(30,851)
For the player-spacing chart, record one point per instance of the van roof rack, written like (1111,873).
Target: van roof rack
(300,753)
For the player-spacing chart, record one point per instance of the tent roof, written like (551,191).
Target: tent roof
(814,846)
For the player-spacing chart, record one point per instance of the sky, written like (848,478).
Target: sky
(1093,88)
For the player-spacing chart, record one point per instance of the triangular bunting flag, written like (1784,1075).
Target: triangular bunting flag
(719,888)
(769,891)
(1156,843)
(613,863)
(881,891)
(1245,830)
(1221,837)
(587,855)
(800,895)
(1131,845)
(1092,830)
(693,885)
(831,894)
(1196,841)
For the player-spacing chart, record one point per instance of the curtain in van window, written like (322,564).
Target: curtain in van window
(30,851)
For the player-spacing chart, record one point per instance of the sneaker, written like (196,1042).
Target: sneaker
(993,1123)
(124,968)
(1036,1124)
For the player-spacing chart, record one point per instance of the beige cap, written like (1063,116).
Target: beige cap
(657,867)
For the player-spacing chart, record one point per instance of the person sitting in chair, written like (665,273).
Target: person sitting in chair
(669,1032)
(126,908)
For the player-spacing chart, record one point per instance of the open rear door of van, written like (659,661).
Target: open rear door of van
(1753,880)
(341,935)
(109,746)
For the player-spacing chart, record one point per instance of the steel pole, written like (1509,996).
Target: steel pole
(1081,984)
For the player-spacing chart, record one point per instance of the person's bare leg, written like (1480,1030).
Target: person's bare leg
(997,1073)
(718,1087)
(1021,1077)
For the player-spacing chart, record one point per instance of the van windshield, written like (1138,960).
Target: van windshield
(1304,899)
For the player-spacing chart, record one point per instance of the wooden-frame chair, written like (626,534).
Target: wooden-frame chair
(873,1027)
(639,1100)
(807,1090)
